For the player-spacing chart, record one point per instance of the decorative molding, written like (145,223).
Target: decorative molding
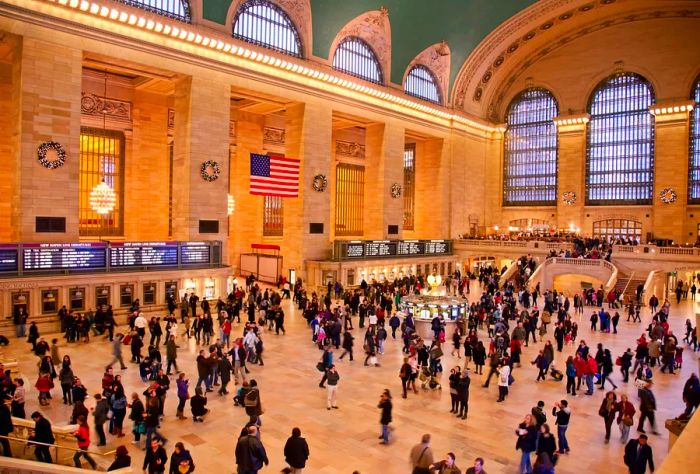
(672,111)
(668,195)
(437,59)
(171,119)
(92,104)
(351,149)
(273,135)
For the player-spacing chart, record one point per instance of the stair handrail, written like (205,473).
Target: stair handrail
(624,290)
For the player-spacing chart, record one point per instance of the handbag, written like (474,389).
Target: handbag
(320,367)
(627,420)
(618,361)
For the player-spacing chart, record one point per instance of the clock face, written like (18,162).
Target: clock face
(395,190)
(668,196)
(320,183)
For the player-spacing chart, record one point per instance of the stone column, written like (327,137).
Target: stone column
(49,103)
(671,171)
(384,148)
(146,173)
(493,179)
(202,111)
(9,131)
(571,174)
(432,179)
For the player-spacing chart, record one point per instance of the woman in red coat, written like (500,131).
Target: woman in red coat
(43,385)
(581,366)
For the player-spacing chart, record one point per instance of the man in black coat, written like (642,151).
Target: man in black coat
(250,453)
(6,427)
(155,459)
(296,451)
(637,454)
(42,434)
(463,394)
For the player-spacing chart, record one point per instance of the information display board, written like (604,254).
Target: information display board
(143,254)
(195,253)
(9,258)
(369,249)
(71,256)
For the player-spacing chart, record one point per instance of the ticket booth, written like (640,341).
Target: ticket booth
(209,288)
(171,290)
(20,300)
(76,299)
(102,296)
(126,295)
(149,293)
(49,301)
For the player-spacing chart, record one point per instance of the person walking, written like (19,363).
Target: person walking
(6,428)
(607,412)
(83,437)
(250,452)
(326,363)
(463,394)
(181,461)
(183,385)
(562,413)
(606,370)
(43,433)
(421,457)
(117,352)
(647,407)
(638,454)
(405,376)
(527,442)
(385,419)
(625,417)
(296,452)
(503,381)
(155,459)
(171,354)
(100,413)
(348,343)
(332,378)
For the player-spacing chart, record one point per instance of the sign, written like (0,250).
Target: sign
(143,254)
(9,258)
(73,256)
(195,253)
(366,249)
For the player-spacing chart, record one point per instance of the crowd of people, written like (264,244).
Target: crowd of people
(504,320)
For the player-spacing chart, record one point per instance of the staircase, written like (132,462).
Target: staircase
(627,286)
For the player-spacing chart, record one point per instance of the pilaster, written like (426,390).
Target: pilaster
(571,176)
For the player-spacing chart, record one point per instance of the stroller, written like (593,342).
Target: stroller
(428,379)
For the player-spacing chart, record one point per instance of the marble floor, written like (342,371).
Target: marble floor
(346,439)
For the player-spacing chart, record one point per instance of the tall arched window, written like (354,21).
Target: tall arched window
(620,152)
(421,83)
(177,9)
(530,161)
(355,57)
(694,177)
(265,24)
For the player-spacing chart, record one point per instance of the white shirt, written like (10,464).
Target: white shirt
(373,319)
(140,322)
(503,374)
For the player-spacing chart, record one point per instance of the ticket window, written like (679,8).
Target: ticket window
(20,301)
(77,299)
(126,295)
(190,287)
(102,296)
(149,293)
(49,301)
(171,290)
(209,288)
(350,281)
(442,268)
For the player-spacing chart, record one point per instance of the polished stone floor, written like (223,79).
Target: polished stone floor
(346,439)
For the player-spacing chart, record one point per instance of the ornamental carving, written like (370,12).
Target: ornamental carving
(171,119)
(569,198)
(668,195)
(351,149)
(437,59)
(299,11)
(92,104)
(274,136)
(396,190)
(374,28)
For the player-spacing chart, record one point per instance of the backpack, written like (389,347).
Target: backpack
(251,398)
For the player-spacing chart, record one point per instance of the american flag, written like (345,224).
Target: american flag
(274,176)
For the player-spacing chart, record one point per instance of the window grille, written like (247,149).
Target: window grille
(265,24)
(421,83)
(620,151)
(694,176)
(349,199)
(612,229)
(355,57)
(101,159)
(176,9)
(530,156)
(273,216)
(409,186)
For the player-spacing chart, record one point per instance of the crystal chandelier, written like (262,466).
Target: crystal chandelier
(102,198)
(231,205)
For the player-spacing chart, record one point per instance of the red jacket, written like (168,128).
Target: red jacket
(591,366)
(580,366)
(83,436)
(44,384)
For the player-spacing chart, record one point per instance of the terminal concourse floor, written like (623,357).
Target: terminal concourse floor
(344,440)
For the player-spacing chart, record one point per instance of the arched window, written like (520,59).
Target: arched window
(265,24)
(694,177)
(177,9)
(530,161)
(421,83)
(620,151)
(355,57)
(613,229)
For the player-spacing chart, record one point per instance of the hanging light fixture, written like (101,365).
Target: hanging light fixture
(102,199)
(231,205)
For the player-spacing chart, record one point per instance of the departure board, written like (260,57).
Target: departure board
(72,256)
(143,254)
(9,258)
(195,253)
(367,249)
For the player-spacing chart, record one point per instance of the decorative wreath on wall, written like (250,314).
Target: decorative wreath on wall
(60,155)
(569,197)
(396,190)
(668,195)
(210,170)
(320,183)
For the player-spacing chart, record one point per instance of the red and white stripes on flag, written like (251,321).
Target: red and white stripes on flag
(274,176)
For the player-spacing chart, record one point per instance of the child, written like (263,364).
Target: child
(240,394)
(145,367)
(679,357)
(44,384)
